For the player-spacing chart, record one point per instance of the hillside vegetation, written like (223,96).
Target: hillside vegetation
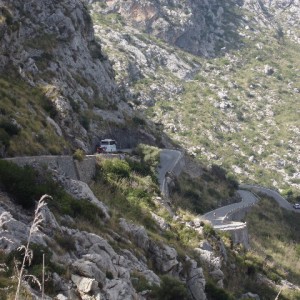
(238,109)
(129,190)
(21,134)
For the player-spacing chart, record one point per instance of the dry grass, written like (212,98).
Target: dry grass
(275,236)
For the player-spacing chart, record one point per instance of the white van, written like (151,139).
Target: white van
(108,145)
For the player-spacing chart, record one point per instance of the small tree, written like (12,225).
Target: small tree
(170,289)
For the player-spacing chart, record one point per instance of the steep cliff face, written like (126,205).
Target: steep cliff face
(199,27)
(51,46)
(204,27)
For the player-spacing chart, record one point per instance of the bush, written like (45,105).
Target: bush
(138,121)
(213,292)
(20,183)
(66,242)
(26,185)
(85,122)
(109,275)
(115,169)
(170,289)
(10,127)
(79,155)
(149,154)
(138,167)
(208,230)
(139,282)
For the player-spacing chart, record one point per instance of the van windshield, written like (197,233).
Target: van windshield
(104,143)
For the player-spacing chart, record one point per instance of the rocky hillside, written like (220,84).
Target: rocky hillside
(52,68)
(221,78)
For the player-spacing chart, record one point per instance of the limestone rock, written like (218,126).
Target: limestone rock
(164,257)
(138,233)
(61,297)
(195,281)
(205,245)
(210,258)
(121,290)
(81,190)
(160,221)
(85,285)
(89,269)
(60,34)
(268,70)
(250,296)
(217,274)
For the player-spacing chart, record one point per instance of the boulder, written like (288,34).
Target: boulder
(208,257)
(85,285)
(195,280)
(138,233)
(268,70)
(205,245)
(164,257)
(121,290)
(103,262)
(160,221)
(217,275)
(61,297)
(89,269)
(250,296)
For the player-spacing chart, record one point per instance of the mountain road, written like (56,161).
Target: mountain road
(168,161)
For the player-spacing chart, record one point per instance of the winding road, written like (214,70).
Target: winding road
(219,217)
(168,161)
(271,193)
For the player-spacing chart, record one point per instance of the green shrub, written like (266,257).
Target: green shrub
(20,183)
(138,121)
(115,169)
(79,155)
(66,242)
(139,167)
(109,275)
(26,185)
(4,137)
(48,106)
(208,230)
(10,127)
(139,282)
(149,154)
(85,122)
(215,293)
(170,289)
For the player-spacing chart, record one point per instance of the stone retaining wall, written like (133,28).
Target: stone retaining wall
(64,165)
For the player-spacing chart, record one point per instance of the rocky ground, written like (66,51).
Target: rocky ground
(237,100)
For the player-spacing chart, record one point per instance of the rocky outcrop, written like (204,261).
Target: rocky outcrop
(198,27)
(165,260)
(51,45)
(71,174)
(195,280)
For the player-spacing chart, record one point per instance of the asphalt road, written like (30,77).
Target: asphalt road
(217,216)
(168,160)
(271,193)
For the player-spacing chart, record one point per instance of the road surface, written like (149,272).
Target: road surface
(271,193)
(168,161)
(217,217)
